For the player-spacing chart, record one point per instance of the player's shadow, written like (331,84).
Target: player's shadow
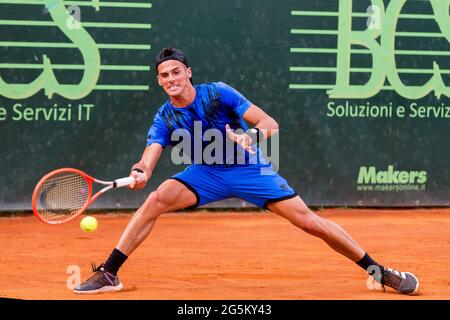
(128,289)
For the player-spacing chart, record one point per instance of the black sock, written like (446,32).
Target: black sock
(115,261)
(371,266)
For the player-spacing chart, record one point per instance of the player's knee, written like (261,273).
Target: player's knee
(155,204)
(309,223)
(310,227)
(163,200)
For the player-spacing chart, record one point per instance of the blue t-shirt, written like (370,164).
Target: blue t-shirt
(199,128)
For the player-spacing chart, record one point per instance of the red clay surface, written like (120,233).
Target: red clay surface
(228,256)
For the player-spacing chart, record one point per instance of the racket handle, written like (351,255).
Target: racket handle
(123,182)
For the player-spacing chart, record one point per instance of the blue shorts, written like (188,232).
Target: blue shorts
(255,183)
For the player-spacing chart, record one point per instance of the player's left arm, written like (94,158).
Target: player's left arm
(266,126)
(261,120)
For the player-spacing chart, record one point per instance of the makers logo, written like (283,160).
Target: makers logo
(372,179)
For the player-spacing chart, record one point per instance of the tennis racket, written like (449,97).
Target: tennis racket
(62,195)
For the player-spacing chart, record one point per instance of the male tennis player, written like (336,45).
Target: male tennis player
(242,172)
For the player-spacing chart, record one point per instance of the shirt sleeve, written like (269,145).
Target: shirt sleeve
(158,132)
(234,99)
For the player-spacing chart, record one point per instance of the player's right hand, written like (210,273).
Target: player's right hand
(140,180)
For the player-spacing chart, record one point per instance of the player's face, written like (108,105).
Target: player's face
(174,77)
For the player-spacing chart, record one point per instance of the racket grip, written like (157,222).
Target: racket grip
(123,182)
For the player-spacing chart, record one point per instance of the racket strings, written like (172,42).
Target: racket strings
(61,196)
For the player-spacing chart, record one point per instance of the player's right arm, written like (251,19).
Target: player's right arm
(147,164)
(157,139)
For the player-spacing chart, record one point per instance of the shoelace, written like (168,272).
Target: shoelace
(95,268)
(111,278)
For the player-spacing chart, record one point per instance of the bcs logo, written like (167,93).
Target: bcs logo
(383,25)
(82,40)
(68,21)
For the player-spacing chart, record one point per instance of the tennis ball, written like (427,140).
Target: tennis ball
(88,224)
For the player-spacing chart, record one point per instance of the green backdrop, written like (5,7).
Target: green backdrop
(360,89)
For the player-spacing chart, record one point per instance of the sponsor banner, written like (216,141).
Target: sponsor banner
(360,89)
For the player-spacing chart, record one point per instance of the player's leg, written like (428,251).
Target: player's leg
(170,196)
(260,185)
(195,186)
(296,211)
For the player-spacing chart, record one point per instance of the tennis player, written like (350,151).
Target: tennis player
(241,172)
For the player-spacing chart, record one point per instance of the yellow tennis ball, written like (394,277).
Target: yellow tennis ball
(88,224)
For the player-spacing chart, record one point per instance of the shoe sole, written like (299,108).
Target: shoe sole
(101,290)
(416,289)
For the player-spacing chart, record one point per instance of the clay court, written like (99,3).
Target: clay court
(232,255)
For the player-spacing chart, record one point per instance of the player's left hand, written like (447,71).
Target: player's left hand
(243,140)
